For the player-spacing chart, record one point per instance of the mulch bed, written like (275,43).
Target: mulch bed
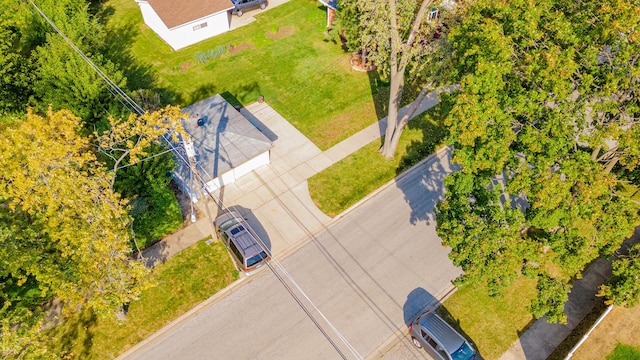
(282,32)
(234,49)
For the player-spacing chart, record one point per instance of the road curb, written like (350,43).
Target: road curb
(388,184)
(310,237)
(400,334)
(194,310)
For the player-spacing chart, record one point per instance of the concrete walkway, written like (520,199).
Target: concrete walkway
(275,198)
(542,338)
(275,201)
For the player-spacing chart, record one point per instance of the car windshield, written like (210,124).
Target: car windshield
(256,259)
(465,352)
(227,224)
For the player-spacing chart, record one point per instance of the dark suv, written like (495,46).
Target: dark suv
(439,339)
(245,5)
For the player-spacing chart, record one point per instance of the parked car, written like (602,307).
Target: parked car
(240,6)
(247,251)
(439,339)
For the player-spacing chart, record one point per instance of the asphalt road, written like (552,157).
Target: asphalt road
(368,274)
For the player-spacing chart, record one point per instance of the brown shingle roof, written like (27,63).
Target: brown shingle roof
(178,12)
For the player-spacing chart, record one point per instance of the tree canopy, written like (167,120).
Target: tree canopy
(63,231)
(545,120)
(403,39)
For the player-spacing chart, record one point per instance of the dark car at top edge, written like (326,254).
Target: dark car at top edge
(242,6)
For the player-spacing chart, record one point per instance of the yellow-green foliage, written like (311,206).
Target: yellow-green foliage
(182,282)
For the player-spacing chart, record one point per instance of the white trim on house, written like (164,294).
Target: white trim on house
(188,33)
(234,174)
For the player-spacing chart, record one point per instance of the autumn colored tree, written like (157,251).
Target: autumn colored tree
(123,146)
(63,232)
(546,116)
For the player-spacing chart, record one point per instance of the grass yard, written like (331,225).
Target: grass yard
(185,280)
(285,56)
(625,352)
(621,326)
(491,323)
(346,182)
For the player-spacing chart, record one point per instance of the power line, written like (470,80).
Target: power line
(132,106)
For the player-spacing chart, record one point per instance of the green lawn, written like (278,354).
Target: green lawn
(182,282)
(346,182)
(286,56)
(624,352)
(491,323)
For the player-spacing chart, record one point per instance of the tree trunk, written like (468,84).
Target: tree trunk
(392,132)
(398,66)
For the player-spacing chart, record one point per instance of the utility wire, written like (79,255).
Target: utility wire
(132,106)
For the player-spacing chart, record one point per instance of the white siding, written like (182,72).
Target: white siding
(234,174)
(185,35)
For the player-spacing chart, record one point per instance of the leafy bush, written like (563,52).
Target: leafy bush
(552,294)
(204,56)
(153,204)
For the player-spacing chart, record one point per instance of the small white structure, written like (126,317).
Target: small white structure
(225,145)
(186,22)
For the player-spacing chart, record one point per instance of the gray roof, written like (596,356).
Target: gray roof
(224,139)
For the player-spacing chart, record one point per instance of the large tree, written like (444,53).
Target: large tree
(64,79)
(546,116)
(15,69)
(405,40)
(64,233)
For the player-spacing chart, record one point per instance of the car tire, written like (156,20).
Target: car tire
(239,13)
(416,343)
(263,6)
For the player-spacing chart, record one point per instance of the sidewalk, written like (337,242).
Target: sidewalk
(542,338)
(274,198)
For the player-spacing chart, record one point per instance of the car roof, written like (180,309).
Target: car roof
(440,330)
(244,240)
(240,233)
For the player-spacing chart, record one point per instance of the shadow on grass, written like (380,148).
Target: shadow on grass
(434,133)
(118,50)
(75,336)
(455,323)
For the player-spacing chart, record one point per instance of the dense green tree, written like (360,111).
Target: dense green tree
(64,233)
(15,66)
(549,103)
(404,40)
(124,145)
(624,286)
(63,78)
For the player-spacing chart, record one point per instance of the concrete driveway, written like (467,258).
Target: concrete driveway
(362,278)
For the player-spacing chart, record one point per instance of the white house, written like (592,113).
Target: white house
(225,143)
(186,22)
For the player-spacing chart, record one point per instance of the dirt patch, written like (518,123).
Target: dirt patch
(185,66)
(234,49)
(622,325)
(282,32)
(358,64)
